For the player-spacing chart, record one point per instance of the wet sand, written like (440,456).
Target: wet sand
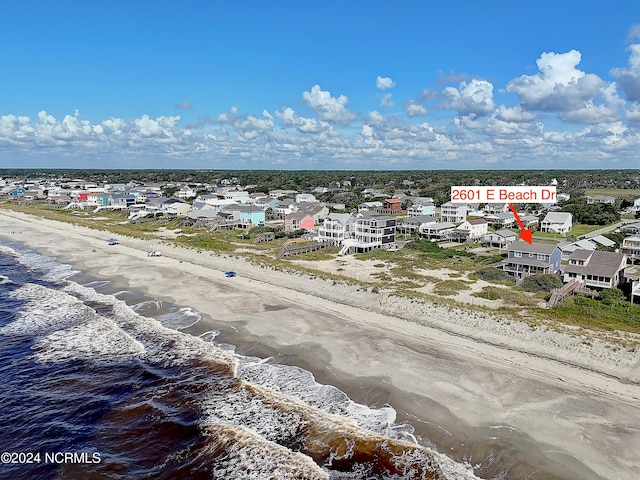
(496,397)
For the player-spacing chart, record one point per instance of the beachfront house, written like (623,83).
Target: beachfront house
(336,228)
(596,269)
(246,215)
(370,232)
(470,230)
(527,259)
(557,222)
(411,225)
(438,232)
(298,221)
(631,248)
(500,238)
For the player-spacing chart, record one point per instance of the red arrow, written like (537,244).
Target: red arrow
(525,234)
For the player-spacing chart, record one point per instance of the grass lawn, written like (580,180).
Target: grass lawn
(579,229)
(614,192)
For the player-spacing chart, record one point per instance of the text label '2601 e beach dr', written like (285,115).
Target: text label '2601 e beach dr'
(512,194)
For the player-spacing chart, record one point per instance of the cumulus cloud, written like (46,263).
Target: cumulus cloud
(629,78)
(302,124)
(515,114)
(414,109)
(559,87)
(384,83)
(329,108)
(473,98)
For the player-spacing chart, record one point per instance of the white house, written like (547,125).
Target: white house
(631,248)
(601,199)
(597,268)
(453,212)
(500,238)
(420,209)
(471,230)
(336,228)
(437,231)
(557,222)
(370,232)
(305,197)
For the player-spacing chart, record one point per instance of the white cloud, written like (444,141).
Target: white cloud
(386,101)
(329,108)
(629,78)
(384,83)
(634,32)
(302,124)
(559,87)
(473,98)
(515,114)
(414,109)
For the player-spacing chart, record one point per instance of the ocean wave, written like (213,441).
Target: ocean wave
(264,420)
(244,456)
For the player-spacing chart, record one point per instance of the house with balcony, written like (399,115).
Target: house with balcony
(499,238)
(596,269)
(557,222)
(336,228)
(410,225)
(500,220)
(631,248)
(453,212)
(529,259)
(371,232)
(420,209)
(298,221)
(391,206)
(470,230)
(437,232)
(246,215)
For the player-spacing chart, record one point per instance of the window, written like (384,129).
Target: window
(517,254)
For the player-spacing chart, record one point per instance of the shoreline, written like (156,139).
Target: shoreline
(483,369)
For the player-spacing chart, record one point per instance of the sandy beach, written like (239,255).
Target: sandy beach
(562,404)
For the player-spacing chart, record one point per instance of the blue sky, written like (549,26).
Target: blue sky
(327,85)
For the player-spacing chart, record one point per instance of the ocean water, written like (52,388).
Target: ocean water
(104,384)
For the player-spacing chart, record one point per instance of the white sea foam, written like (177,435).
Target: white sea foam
(48,268)
(162,345)
(183,318)
(44,310)
(98,339)
(4,280)
(301,384)
(247,457)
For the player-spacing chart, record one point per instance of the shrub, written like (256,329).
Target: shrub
(543,282)
(494,275)
(611,296)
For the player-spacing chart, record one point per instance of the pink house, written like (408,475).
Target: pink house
(296,221)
